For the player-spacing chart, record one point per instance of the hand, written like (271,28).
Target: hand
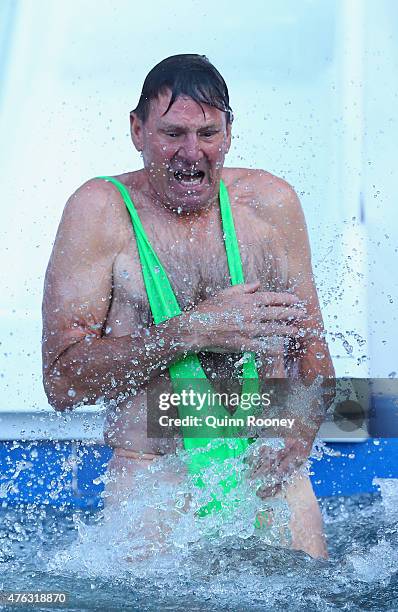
(241,318)
(275,466)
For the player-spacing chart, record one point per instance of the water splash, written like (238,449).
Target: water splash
(225,574)
(389,495)
(156,519)
(378,563)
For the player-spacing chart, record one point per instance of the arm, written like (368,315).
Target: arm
(287,217)
(310,349)
(79,364)
(282,210)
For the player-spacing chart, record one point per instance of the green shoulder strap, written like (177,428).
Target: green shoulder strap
(203,451)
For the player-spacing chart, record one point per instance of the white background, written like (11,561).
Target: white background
(313,86)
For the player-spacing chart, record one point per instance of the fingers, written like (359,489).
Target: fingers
(268,330)
(268,298)
(279,466)
(250,287)
(265,345)
(263,298)
(245,288)
(283,463)
(269,490)
(278,313)
(237,292)
(265,464)
(273,298)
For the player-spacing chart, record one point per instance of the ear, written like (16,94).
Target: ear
(136,131)
(228,139)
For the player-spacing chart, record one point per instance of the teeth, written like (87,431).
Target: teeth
(188,176)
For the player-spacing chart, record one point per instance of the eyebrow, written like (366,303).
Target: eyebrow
(170,126)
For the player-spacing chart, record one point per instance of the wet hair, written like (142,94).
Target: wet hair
(185,75)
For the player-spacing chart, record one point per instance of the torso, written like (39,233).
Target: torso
(194,258)
(193,255)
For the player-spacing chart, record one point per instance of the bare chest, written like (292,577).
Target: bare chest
(194,259)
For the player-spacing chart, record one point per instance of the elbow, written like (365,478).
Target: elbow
(60,391)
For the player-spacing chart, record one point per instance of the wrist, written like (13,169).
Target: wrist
(183,334)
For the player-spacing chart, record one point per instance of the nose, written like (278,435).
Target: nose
(190,148)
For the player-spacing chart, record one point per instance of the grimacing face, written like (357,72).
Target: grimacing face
(183,151)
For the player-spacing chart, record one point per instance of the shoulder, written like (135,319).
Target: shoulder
(94,197)
(96,210)
(269,195)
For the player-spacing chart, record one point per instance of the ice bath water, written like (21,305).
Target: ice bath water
(52,550)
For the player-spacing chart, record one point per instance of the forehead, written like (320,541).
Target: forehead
(183,111)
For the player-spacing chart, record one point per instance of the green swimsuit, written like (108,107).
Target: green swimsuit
(202,451)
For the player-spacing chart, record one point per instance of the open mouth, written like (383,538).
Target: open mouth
(189,178)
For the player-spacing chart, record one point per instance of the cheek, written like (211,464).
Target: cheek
(217,153)
(158,152)
(164,154)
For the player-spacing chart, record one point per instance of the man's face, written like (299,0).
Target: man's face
(183,151)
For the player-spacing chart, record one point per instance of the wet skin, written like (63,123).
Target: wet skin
(99,339)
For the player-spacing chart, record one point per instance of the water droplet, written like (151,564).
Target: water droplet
(348,347)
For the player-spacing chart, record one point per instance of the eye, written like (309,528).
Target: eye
(209,133)
(172,134)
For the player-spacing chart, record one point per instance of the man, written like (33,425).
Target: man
(99,338)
